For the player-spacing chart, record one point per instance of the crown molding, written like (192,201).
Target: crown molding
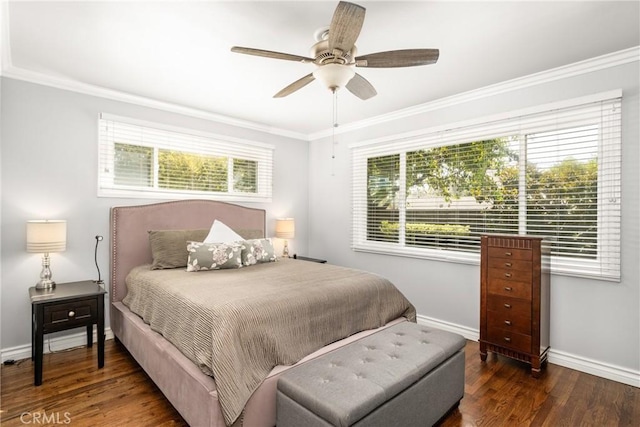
(579,68)
(94,90)
(566,71)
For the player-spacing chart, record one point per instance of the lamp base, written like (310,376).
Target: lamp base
(46,284)
(45,275)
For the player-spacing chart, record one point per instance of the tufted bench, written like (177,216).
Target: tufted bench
(405,375)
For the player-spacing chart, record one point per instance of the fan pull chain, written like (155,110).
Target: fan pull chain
(334,125)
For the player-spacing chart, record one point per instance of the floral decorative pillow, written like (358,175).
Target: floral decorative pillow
(213,256)
(257,250)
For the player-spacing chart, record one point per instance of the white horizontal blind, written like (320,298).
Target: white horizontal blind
(553,173)
(140,159)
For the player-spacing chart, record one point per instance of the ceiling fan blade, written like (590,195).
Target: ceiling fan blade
(399,58)
(298,84)
(270,54)
(360,87)
(345,26)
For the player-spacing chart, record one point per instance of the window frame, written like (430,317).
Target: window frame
(516,123)
(188,141)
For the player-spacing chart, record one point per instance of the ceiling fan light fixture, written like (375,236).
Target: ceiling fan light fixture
(334,76)
(335,55)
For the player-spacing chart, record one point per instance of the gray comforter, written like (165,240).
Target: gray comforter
(237,325)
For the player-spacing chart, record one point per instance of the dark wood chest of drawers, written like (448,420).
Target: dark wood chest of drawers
(514,299)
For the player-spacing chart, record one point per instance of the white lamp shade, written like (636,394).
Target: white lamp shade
(334,75)
(285,228)
(46,236)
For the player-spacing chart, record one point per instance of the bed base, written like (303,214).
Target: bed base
(191,392)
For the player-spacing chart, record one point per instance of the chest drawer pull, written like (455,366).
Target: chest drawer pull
(507,305)
(507,339)
(507,264)
(71,313)
(507,254)
(507,322)
(508,288)
(507,274)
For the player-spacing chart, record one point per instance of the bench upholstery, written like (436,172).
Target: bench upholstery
(408,374)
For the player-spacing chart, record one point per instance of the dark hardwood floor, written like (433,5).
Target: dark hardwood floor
(499,392)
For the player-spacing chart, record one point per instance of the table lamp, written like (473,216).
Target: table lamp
(46,236)
(285,229)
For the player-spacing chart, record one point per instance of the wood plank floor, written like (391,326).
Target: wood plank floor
(499,392)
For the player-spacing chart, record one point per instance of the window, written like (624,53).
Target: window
(553,173)
(139,159)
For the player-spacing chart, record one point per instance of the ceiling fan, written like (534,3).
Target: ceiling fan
(335,55)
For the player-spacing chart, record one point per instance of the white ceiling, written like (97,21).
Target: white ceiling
(179,52)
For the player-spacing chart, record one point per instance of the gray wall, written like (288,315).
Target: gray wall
(48,169)
(49,161)
(594,320)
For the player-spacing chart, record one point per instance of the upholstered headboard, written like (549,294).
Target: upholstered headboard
(130,227)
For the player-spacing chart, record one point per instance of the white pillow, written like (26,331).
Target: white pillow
(221,233)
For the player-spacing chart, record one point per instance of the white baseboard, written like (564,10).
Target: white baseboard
(557,357)
(56,343)
(469,333)
(595,367)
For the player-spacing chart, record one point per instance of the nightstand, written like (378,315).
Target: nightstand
(67,306)
(306,258)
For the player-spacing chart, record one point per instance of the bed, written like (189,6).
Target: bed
(186,382)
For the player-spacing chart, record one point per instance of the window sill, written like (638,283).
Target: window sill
(171,195)
(584,270)
(428,254)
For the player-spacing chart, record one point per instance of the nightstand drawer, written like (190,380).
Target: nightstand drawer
(67,314)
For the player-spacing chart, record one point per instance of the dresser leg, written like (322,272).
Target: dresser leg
(483,352)
(535,367)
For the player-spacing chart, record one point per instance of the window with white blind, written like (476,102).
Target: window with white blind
(552,171)
(141,159)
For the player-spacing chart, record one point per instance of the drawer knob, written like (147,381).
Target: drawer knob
(507,306)
(507,274)
(507,264)
(507,339)
(507,254)
(508,288)
(71,313)
(507,322)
